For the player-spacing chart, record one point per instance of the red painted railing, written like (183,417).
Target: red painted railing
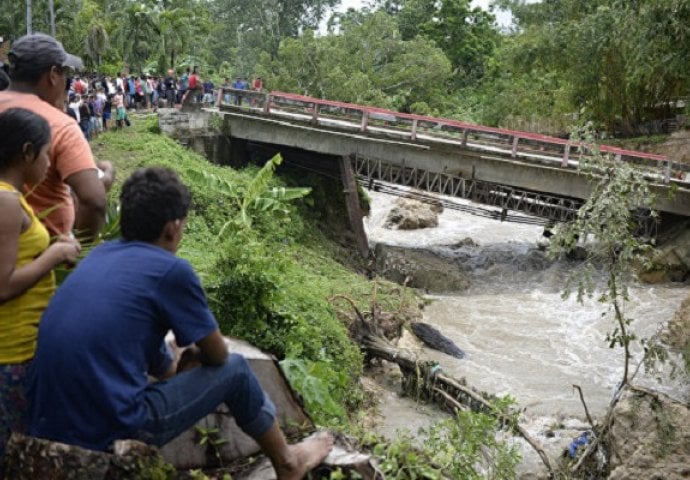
(519,142)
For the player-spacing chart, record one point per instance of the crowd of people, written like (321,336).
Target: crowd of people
(78,371)
(100,102)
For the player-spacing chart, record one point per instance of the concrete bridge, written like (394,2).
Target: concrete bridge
(512,170)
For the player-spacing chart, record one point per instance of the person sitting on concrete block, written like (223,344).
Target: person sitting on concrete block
(103,334)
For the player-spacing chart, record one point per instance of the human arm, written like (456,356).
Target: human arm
(107,174)
(210,350)
(15,281)
(89,193)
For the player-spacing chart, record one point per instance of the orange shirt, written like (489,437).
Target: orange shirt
(70,153)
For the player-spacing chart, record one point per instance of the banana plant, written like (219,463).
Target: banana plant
(255,197)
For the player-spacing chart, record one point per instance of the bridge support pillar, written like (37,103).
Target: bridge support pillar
(238,157)
(354,210)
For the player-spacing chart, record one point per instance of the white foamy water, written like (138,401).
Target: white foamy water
(520,337)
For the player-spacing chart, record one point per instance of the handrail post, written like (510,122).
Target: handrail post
(365,121)
(267,103)
(465,134)
(315,114)
(513,153)
(219,97)
(413,134)
(667,173)
(566,156)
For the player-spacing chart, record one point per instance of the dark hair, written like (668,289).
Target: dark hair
(4,79)
(26,127)
(150,198)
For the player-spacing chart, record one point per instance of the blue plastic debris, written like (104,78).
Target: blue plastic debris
(579,441)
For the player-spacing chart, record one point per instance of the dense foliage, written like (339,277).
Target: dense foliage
(620,64)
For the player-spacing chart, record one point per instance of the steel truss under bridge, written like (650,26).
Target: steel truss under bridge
(551,207)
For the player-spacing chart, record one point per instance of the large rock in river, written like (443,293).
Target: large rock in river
(421,269)
(408,214)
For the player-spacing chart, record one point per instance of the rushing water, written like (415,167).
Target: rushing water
(520,336)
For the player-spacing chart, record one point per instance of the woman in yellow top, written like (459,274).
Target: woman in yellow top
(26,260)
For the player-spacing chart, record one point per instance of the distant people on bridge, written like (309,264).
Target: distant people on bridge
(240,84)
(226,95)
(208,92)
(257,86)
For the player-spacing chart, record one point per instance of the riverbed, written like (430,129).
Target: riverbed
(521,338)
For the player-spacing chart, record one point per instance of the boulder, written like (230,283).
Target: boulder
(421,269)
(186,451)
(410,214)
(29,458)
(650,438)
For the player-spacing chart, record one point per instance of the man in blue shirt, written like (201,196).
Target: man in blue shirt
(103,334)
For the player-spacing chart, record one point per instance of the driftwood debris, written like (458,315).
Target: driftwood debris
(426,378)
(433,338)
(448,392)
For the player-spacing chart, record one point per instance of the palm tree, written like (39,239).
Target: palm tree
(29,17)
(174,28)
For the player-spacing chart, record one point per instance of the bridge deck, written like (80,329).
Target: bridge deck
(526,162)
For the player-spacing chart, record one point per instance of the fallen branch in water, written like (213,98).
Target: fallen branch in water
(426,376)
(501,416)
(447,391)
(582,399)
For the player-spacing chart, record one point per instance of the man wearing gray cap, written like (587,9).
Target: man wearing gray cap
(38,69)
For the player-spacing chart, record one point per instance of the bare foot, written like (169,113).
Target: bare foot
(305,456)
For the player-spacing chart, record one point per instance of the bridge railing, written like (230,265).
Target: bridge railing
(367,119)
(234,97)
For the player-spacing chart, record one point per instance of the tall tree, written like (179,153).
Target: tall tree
(270,21)
(623,61)
(368,62)
(468,35)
